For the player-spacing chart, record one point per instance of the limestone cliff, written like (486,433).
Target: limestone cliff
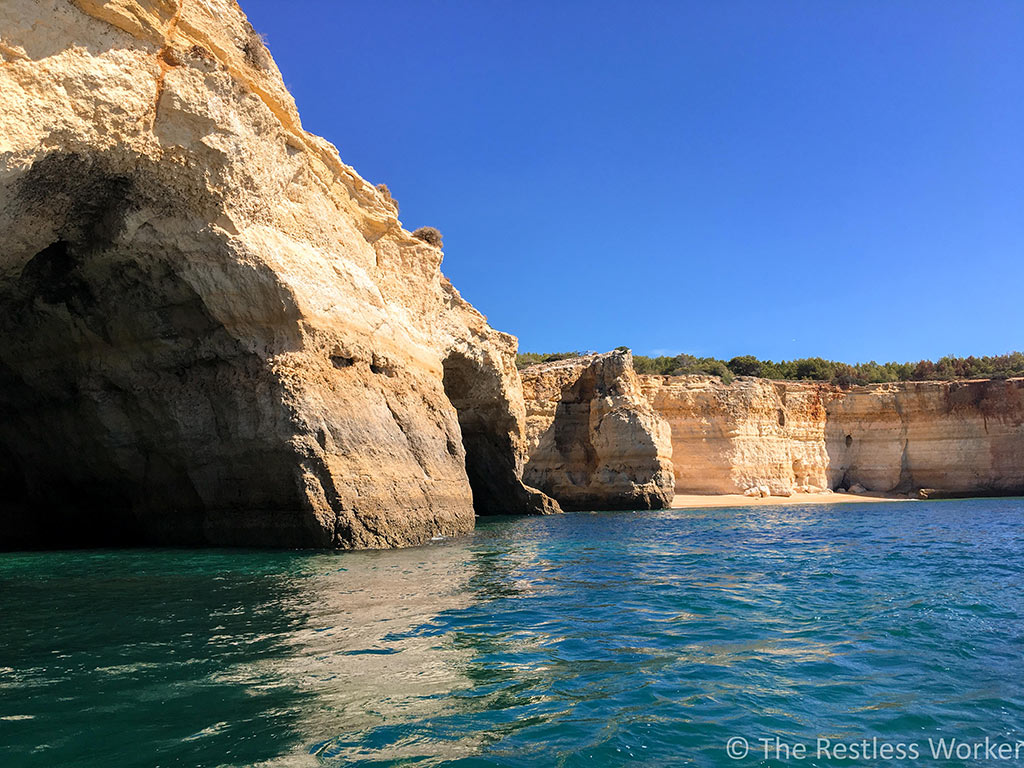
(957,437)
(964,437)
(754,432)
(593,440)
(212,329)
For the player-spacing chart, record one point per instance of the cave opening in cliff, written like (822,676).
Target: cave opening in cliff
(127,403)
(486,424)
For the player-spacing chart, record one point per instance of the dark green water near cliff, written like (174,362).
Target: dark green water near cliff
(584,639)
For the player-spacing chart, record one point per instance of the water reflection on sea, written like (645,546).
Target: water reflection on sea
(608,639)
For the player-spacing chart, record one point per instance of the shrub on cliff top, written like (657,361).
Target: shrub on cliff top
(745,365)
(255,48)
(383,189)
(817,369)
(429,235)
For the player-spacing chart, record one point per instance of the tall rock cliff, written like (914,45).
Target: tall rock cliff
(956,436)
(959,437)
(214,331)
(752,433)
(594,442)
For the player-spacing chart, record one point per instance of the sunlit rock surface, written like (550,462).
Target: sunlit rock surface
(752,433)
(594,442)
(214,331)
(961,437)
(957,437)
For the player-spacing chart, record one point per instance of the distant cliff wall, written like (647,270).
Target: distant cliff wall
(965,437)
(957,436)
(753,432)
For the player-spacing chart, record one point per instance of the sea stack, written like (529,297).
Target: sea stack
(213,330)
(594,440)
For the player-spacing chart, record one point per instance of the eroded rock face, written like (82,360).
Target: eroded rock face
(958,437)
(962,437)
(752,433)
(214,331)
(483,383)
(593,440)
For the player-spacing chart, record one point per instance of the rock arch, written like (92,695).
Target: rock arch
(491,436)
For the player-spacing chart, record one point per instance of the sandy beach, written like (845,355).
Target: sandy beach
(691,501)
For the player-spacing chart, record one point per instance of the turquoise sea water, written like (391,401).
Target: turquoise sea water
(585,639)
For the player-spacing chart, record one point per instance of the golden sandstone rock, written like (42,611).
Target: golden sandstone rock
(752,433)
(962,437)
(957,437)
(213,330)
(594,441)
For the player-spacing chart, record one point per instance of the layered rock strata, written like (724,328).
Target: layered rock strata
(959,437)
(594,442)
(752,433)
(214,331)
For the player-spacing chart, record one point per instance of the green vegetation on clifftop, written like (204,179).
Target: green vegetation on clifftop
(816,368)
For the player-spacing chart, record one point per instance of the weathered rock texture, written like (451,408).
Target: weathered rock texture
(958,437)
(594,442)
(214,331)
(965,437)
(754,432)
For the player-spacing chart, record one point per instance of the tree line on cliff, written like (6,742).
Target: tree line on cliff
(815,368)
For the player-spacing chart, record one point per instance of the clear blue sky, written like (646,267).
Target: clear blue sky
(718,177)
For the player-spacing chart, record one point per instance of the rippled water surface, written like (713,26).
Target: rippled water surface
(582,639)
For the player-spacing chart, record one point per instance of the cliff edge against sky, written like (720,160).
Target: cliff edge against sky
(960,437)
(213,330)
